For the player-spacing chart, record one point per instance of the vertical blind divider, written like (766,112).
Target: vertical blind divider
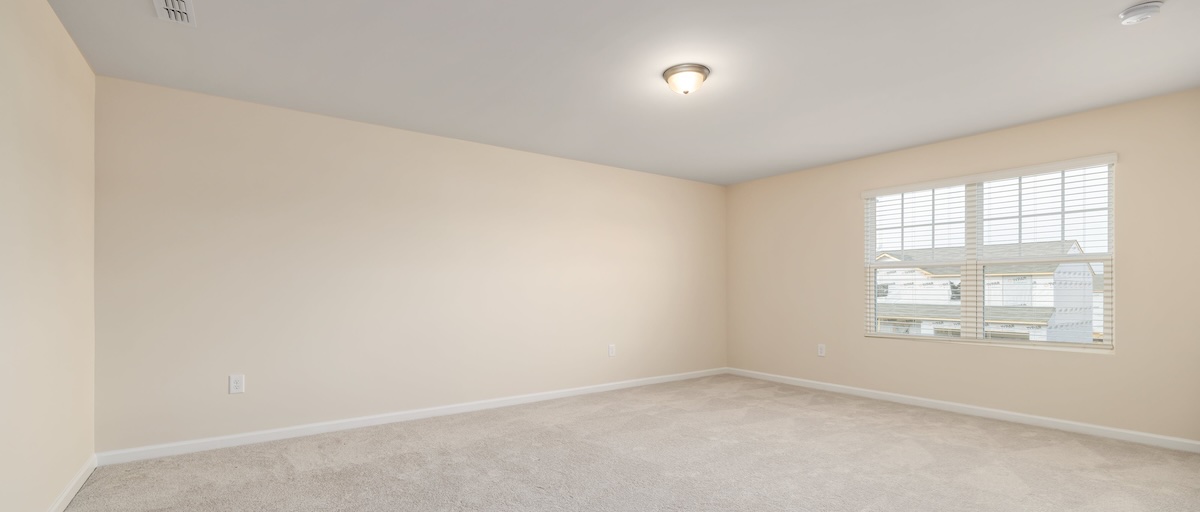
(972,279)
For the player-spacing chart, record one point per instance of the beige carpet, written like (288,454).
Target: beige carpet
(719,443)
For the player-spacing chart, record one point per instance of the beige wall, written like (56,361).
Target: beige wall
(350,269)
(47,105)
(795,276)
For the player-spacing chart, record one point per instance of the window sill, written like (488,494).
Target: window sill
(1094,348)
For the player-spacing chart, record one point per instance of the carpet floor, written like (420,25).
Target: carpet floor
(720,443)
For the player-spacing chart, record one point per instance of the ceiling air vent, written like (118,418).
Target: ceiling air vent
(177,11)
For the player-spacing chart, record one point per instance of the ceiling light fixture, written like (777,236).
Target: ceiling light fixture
(685,78)
(1139,13)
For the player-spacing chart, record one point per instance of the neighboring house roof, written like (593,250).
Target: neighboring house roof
(952,313)
(988,252)
(985,252)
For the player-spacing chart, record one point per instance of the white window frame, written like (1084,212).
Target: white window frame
(971,288)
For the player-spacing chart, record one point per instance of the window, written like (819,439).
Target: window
(1018,256)
(881,289)
(898,325)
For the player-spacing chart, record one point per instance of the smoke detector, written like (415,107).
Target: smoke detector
(176,11)
(1140,12)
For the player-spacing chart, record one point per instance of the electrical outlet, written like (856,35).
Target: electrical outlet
(612,350)
(820,350)
(237,384)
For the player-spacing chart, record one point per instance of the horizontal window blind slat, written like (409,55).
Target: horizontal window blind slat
(1066,165)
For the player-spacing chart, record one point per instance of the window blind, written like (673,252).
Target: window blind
(1018,256)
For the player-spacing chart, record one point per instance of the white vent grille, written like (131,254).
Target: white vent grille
(177,11)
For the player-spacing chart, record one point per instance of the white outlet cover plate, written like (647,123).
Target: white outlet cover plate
(237,384)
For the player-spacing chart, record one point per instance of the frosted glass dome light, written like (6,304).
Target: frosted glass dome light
(685,78)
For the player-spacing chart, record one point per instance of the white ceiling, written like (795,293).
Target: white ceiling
(794,84)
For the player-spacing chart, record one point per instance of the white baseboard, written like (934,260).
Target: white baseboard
(212,443)
(68,493)
(1174,443)
(261,436)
